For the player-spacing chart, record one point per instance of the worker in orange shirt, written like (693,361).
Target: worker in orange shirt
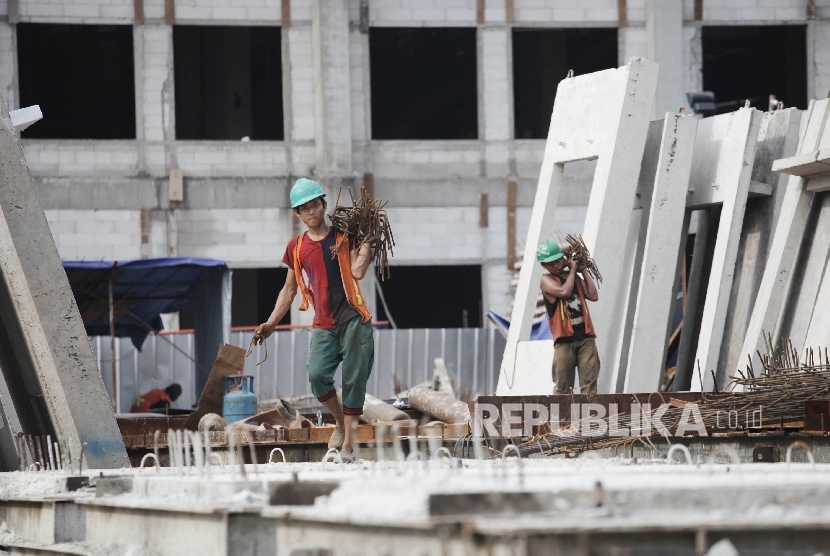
(157,399)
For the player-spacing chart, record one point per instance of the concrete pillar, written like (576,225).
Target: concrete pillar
(332,105)
(8,65)
(664,242)
(664,45)
(45,354)
(788,236)
(730,183)
(778,138)
(495,98)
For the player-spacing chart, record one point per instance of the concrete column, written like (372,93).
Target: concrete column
(155,111)
(45,355)
(8,65)
(664,45)
(332,104)
(496,98)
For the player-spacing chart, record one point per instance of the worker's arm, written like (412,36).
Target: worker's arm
(361,259)
(283,305)
(552,289)
(591,293)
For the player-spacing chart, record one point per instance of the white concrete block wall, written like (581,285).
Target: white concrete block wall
(70,158)
(422,13)
(300,11)
(302,82)
(692,58)
(262,12)
(566,11)
(157,45)
(820,35)
(438,235)
(732,11)
(631,42)
(96,234)
(241,237)
(8,56)
(358,78)
(77,11)
(426,159)
(496,83)
(232,158)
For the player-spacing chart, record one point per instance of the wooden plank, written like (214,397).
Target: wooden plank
(698,10)
(369,183)
(229,361)
(480,11)
(285,13)
(483,211)
(169,12)
(138,9)
(622,13)
(509,11)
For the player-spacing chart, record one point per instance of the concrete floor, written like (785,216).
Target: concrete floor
(535,506)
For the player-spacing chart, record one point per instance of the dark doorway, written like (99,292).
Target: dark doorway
(423,83)
(254,293)
(433,296)
(542,58)
(753,62)
(228,83)
(82,77)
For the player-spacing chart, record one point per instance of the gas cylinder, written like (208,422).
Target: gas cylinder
(239,401)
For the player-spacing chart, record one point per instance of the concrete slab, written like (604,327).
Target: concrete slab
(45,355)
(788,236)
(722,169)
(778,137)
(664,244)
(601,116)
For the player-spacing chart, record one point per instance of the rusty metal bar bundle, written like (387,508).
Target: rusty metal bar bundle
(576,251)
(366,221)
(777,396)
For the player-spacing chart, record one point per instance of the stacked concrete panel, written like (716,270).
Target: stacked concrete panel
(761,246)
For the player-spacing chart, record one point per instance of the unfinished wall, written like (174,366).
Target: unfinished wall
(236,194)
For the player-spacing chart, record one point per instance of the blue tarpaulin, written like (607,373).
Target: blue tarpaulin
(142,290)
(538,331)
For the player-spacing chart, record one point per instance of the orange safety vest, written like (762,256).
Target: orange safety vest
(560,323)
(353,294)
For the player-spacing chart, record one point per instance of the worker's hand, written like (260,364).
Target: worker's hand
(571,267)
(262,332)
(582,267)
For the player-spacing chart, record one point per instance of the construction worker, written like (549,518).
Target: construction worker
(342,329)
(157,399)
(574,339)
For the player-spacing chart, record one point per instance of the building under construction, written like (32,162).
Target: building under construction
(678,139)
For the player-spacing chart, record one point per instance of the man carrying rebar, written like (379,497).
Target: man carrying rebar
(574,339)
(342,329)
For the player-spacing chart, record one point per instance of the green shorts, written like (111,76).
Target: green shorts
(351,343)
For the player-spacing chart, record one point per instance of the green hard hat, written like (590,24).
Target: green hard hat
(548,251)
(305,190)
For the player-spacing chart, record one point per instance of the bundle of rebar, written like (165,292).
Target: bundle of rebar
(776,396)
(365,222)
(577,253)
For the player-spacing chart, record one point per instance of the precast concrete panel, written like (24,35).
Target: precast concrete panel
(788,236)
(664,244)
(45,354)
(777,138)
(721,180)
(603,116)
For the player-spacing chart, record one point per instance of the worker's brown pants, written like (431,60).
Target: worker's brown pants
(570,355)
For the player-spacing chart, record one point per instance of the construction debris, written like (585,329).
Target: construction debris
(439,405)
(774,398)
(575,250)
(366,222)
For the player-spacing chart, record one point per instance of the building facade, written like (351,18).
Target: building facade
(440,106)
